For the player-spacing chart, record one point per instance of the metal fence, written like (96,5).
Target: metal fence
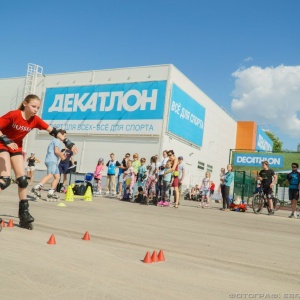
(244,184)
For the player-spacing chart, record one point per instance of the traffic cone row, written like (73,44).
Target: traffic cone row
(9,224)
(52,240)
(148,259)
(88,196)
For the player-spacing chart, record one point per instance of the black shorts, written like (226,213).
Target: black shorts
(11,153)
(212,192)
(293,194)
(268,192)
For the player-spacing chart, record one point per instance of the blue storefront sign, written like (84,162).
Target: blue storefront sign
(255,160)
(186,117)
(127,108)
(263,142)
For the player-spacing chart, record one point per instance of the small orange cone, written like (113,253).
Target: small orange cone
(10,223)
(2,223)
(147,259)
(86,236)
(161,256)
(154,257)
(52,240)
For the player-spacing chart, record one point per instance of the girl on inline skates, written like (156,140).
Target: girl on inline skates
(14,126)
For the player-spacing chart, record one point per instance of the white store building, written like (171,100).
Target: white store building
(140,109)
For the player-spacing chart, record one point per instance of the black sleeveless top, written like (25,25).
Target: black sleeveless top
(31,162)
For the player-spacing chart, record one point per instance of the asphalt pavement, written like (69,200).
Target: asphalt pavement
(209,254)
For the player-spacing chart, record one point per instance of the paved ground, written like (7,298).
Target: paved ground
(209,254)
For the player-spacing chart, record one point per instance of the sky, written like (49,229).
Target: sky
(244,54)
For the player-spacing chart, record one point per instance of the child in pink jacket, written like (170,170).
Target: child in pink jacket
(98,176)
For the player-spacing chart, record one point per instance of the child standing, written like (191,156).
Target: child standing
(151,180)
(129,178)
(98,176)
(32,160)
(222,183)
(167,182)
(142,173)
(205,187)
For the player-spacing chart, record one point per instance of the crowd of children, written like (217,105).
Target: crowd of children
(138,181)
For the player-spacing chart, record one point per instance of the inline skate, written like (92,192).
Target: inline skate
(26,219)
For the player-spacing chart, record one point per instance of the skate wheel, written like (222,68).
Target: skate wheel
(28,226)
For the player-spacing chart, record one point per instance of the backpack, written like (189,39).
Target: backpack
(79,189)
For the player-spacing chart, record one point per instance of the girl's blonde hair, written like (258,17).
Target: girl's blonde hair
(27,99)
(208,174)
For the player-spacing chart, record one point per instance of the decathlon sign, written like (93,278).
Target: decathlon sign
(122,108)
(255,160)
(186,117)
(263,142)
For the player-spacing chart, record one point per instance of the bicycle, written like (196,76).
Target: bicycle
(259,201)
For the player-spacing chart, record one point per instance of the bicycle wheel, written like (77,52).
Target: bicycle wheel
(257,203)
(276,203)
(249,201)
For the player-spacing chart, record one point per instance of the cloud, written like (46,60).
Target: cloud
(248,59)
(270,96)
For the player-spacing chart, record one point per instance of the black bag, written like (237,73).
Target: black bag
(79,189)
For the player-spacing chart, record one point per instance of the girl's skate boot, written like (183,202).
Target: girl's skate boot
(25,218)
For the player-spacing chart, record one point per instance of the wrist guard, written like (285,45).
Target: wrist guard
(54,132)
(5,140)
(68,143)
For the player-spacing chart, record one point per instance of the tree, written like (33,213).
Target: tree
(277,144)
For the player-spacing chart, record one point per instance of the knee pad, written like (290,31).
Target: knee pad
(6,183)
(22,181)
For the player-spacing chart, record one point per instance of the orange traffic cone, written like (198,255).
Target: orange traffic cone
(154,257)
(10,223)
(52,240)
(3,223)
(147,259)
(86,236)
(161,256)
